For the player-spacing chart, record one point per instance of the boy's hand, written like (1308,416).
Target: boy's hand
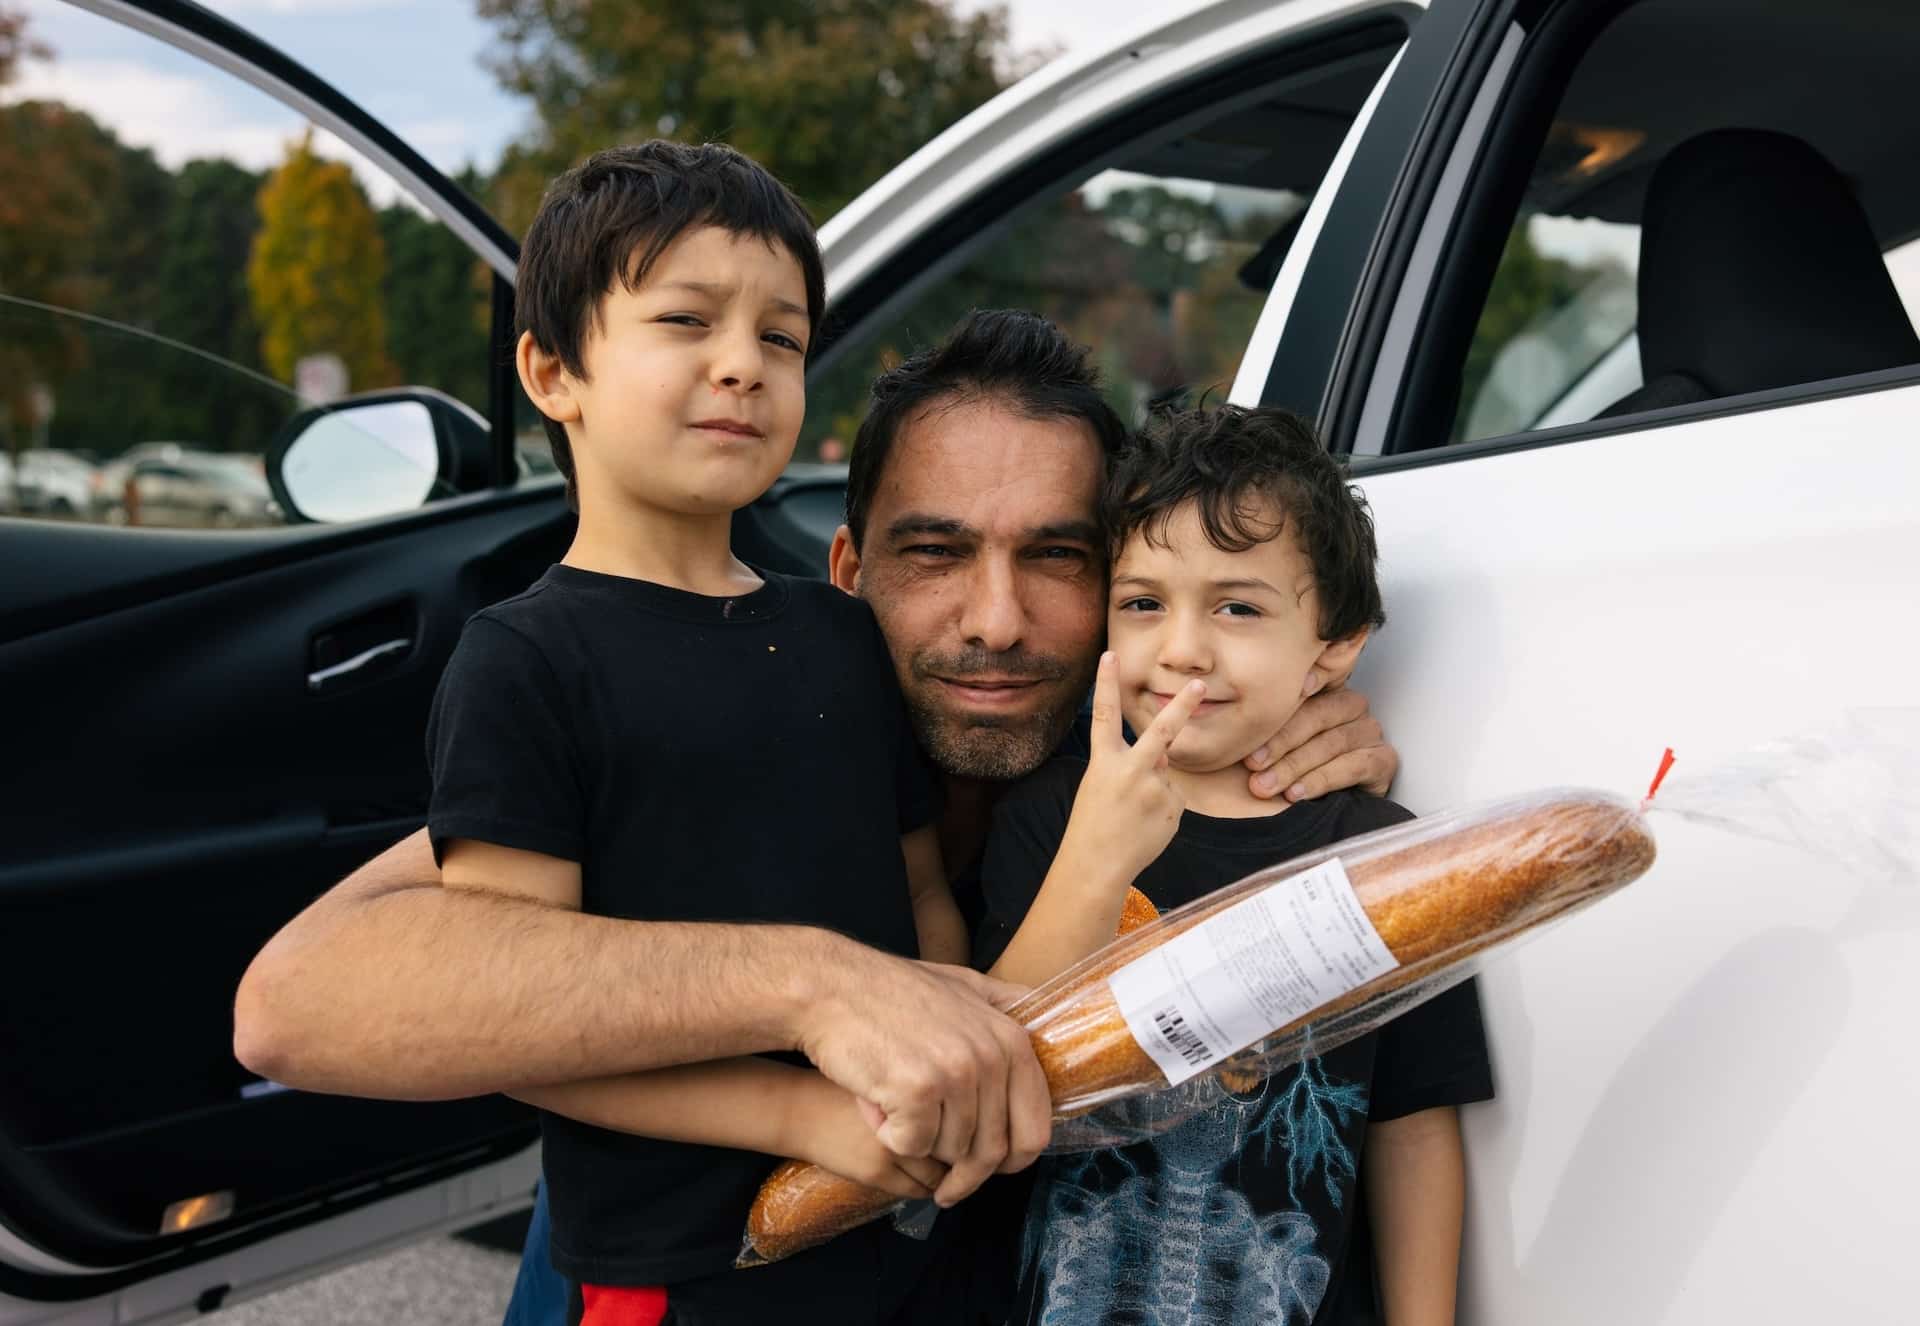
(826,1125)
(1127,809)
(1332,741)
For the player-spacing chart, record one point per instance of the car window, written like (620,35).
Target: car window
(185,264)
(1160,258)
(1785,111)
(1556,344)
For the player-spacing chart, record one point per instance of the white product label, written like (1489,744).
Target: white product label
(1233,979)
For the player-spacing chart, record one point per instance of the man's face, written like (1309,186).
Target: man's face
(983,563)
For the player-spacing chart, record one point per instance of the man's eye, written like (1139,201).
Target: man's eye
(929,550)
(1060,554)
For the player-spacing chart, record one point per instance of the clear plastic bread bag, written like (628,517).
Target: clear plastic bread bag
(1306,955)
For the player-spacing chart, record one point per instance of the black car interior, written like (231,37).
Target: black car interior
(1758,269)
(1751,143)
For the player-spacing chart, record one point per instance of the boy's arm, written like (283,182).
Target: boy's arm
(936,917)
(749,1103)
(1075,913)
(1416,1190)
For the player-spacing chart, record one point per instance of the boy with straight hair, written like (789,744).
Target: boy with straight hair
(656,731)
(1243,565)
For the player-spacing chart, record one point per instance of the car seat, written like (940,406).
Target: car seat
(1758,270)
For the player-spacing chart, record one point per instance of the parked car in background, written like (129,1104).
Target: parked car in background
(55,483)
(195,490)
(1680,514)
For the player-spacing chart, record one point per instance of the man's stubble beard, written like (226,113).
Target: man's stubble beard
(994,749)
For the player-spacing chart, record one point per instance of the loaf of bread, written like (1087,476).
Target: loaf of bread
(1437,891)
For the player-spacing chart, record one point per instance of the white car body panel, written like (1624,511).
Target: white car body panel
(1706,1091)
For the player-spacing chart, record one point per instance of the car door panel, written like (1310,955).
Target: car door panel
(188,792)
(1685,1068)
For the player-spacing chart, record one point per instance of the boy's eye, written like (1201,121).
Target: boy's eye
(1240,610)
(1140,605)
(784,341)
(683,320)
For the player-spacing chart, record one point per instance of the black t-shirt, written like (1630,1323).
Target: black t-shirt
(703,759)
(1250,1212)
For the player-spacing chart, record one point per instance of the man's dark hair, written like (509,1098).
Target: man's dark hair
(611,217)
(1017,359)
(1223,460)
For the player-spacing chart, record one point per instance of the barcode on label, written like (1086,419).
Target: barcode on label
(1181,1038)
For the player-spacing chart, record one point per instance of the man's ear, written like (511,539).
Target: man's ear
(843,562)
(546,381)
(1336,662)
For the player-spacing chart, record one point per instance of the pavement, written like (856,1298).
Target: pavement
(442,1282)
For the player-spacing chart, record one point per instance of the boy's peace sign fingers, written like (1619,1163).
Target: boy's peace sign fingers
(1154,743)
(1107,738)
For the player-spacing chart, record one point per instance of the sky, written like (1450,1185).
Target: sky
(416,65)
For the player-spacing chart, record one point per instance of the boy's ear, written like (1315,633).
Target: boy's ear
(1336,662)
(545,380)
(843,562)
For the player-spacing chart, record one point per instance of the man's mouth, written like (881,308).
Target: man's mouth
(989,692)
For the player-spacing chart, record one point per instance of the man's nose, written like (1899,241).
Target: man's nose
(993,617)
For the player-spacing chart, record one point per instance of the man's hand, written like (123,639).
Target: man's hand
(944,1073)
(1332,741)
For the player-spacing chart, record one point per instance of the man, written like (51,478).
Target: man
(972,534)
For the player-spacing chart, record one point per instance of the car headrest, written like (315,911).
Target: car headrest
(1758,270)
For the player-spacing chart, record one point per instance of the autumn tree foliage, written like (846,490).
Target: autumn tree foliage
(316,269)
(828,94)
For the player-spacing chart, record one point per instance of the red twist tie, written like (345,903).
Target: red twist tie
(1666,763)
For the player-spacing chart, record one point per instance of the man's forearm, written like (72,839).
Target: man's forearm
(391,985)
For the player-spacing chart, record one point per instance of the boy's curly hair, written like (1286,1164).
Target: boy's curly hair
(1223,459)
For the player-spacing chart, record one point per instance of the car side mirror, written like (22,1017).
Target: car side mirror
(377,454)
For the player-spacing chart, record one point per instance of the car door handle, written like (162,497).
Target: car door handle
(318,680)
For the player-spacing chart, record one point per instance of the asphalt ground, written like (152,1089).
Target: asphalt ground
(442,1282)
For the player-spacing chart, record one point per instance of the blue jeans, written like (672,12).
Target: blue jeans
(539,1294)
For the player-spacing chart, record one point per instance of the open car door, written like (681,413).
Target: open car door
(213,712)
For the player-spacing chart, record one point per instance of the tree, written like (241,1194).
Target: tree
(1526,284)
(439,302)
(315,272)
(15,44)
(828,94)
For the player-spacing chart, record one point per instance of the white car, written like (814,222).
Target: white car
(55,483)
(1604,303)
